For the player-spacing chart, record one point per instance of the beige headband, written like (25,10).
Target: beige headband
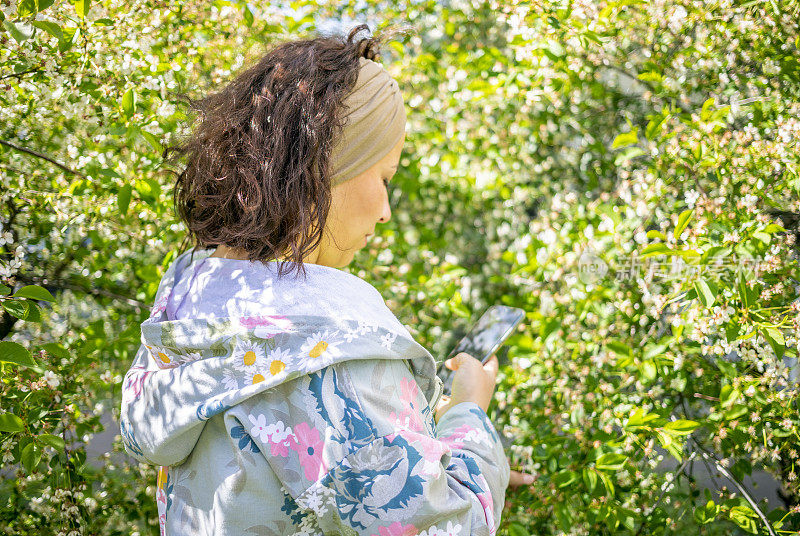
(374,122)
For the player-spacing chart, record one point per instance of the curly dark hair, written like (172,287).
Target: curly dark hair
(256,175)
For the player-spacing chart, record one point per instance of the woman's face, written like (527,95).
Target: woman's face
(357,206)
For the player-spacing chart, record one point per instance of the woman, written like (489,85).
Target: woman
(276,405)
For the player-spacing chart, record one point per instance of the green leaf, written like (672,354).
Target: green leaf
(658,248)
(152,140)
(619,348)
(129,103)
(736,411)
(671,444)
(683,221)
(650,76)
(706,514)
(248,14)
(626,138)
(31,455)
(653,233)
(26,8)
(681,427)
(22,309)
(775,334)
(592,36)
(608,484)
(51,441)
(34,292)
(611,461)
(82,8)
(69,36)
(745,517)
(148,189)
(654,126)
(732,331)
(628,154)
(515,529)
(639,418)
(565,478)
(564,516)
(773,228)
(727,369)
(715,251)
(50,27)
(686,253)
(589,479)
(728,396)
(4,290)
(762,237)
(105,172)
(775,339)
(56,350)
(655,350)
(705,111)
(746,294)
(124,199)
(705,293)
(11,423)
(12,352)
(627,518)
(649,370)
(20,31)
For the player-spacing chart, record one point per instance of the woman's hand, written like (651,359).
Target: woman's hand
(517,479)
(473,382)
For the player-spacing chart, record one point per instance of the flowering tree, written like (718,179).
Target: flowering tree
(627,172)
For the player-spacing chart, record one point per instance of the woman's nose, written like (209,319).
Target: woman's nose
(386,214)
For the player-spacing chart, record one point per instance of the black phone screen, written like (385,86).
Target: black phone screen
(484,338)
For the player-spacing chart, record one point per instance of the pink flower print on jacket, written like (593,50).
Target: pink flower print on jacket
(134,381)
(410,418)
(465,433)
(160,305)
(485,499)
(277,435)
(308,445)
(397,529)
(432,450)
(266,326)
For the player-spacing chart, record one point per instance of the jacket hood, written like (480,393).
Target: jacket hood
(197,360)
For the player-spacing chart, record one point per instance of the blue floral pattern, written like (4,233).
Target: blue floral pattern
(287,419)
(245,440)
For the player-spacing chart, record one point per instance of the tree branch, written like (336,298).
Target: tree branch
(66,285)
(42,156)
(727,474)
(18,75)
(664,490)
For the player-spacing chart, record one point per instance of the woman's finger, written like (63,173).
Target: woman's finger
(517,479)
(492,365)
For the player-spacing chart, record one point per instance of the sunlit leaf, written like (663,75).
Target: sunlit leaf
(34,292)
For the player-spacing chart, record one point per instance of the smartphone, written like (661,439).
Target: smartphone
(483,339)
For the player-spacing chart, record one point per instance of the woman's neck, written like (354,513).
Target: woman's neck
(226,252)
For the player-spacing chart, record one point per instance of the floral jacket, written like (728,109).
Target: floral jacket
(299,406)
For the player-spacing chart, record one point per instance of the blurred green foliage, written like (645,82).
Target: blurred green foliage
(627,172)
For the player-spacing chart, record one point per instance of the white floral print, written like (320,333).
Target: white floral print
(321,346)
(388,339)
(279,360)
